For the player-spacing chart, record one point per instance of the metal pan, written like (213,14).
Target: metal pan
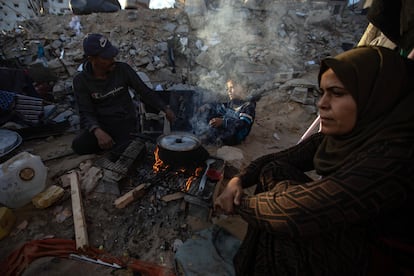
(181,149)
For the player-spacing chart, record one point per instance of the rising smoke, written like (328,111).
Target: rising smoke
(248,40)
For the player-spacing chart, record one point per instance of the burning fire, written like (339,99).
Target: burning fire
(191,178)
(159,166)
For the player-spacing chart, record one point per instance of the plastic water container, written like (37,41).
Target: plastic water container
(21,178)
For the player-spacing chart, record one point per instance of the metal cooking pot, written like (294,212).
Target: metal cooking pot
(181,149)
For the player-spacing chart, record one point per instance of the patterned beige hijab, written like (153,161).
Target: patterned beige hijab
(379,80)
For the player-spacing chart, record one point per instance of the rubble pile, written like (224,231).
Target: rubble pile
(273,45)
(267,45)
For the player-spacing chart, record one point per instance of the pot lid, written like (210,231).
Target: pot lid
(178,141)
(9,140)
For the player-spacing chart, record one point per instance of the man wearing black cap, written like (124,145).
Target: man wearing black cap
(107,112)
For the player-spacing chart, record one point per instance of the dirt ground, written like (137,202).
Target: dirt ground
(147,228)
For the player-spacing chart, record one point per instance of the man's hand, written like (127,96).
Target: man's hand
(229,197)
(104,139)
(411,54)
(169,114)
(216,122)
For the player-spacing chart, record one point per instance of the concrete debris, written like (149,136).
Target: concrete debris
(272,45)
(266,42)
(90,178)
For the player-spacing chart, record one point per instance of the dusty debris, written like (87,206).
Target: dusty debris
(268,45)
(89,177)
(61,214)
(22,225)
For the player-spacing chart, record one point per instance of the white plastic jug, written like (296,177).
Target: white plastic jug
(21,177)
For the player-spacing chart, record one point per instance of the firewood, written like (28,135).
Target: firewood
(174,196)
(137,192)
(81,233)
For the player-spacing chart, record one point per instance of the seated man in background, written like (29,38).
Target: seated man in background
(226,123)
(107,112)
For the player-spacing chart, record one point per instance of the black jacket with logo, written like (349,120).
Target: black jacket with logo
(107,103)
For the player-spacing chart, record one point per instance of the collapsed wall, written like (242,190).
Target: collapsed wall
(14,11)
(267,44)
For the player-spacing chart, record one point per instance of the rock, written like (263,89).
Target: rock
(231,155)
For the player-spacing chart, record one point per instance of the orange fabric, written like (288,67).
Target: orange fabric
(21,258)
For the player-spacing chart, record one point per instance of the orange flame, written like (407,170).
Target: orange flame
(159,165)
(188,183)
(191,178)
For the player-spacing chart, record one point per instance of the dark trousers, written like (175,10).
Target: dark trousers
(86,142)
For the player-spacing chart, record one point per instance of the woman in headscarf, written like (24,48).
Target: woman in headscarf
(364,154)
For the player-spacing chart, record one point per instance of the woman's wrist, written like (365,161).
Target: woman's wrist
(235,181)
(97,129)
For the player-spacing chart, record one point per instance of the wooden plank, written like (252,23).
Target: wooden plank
(137,192)
(81,233)
(174,196)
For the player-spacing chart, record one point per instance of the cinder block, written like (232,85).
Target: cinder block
(11,12)
(299,94)
(58,6)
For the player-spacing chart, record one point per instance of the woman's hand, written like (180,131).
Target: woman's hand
(229,197)
(216,122)
(104,139)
